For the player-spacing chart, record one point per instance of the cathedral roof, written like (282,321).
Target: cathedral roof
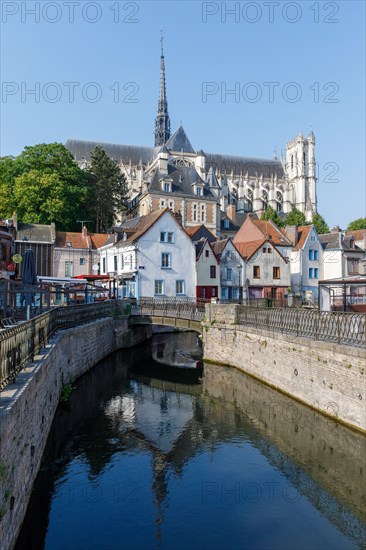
(179,142)
(125,153)
(212,179)
(237,164)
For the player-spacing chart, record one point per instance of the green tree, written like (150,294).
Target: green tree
(360,223)
(109,189)
(320,224)
(270,214)
(295,217)
(44,184)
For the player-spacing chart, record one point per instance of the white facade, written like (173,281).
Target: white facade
(307,266)
(207,272)
(160,263)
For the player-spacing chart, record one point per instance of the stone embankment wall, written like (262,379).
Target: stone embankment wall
(27,408)
(328,377)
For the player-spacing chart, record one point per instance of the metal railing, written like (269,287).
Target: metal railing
(164,307)
(19,344)
(329,326)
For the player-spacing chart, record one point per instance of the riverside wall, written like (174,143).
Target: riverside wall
(27,408)
(325,376)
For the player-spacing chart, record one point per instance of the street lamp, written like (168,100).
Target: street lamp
(247,283)
(240,267)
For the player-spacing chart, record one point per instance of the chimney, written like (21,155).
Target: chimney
(84,232)
(231,212)
(292,233)
(336,229)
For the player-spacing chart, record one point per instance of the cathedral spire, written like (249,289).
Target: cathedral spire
(162,121)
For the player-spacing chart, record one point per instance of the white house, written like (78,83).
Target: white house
(207,271)
(151,256)
(342,257)
(306,261)
(232,270)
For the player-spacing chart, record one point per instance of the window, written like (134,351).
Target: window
(166,237)
(166,187)
(203,212)
(122,262)
(207,253)
(264,250)
(115,263)
(226,224)
(171,205)
(276,272)
(162,204)
(194,212)
(312,238)
(159,287)
(212,272)
(229,274)
(311,273)
(311,254)
(198,191)
(316,255)
(82,261)
(104,265)
(353,265)
(256,272)
(68,269)
(180,287)
(166,260)
(316,273)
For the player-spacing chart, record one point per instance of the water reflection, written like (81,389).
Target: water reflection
(147,456)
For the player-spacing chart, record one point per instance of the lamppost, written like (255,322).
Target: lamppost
(240,267)
(247,283)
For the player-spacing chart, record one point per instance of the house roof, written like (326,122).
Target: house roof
(200,245)
(198,232)
(248,249)
(358,234)
(78,241)
(266,229)
(337,241)
(219,246)
(34,232)
(302,234)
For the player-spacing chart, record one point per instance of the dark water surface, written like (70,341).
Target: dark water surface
(150,456)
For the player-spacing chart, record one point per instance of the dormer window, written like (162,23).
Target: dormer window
(226,224)
(166,187)
(198,191)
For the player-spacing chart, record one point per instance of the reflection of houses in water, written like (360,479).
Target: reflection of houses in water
(312,452)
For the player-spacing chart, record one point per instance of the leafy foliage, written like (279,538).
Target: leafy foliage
(270,214)
(320,224)
(359,223)
(44,184)
(295,217)
(109,189)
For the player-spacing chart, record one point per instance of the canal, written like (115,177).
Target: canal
(147,455)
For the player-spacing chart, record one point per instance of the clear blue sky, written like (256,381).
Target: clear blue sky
(324,46)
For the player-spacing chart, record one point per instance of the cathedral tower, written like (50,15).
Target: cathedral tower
(162,121)
(301,173)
